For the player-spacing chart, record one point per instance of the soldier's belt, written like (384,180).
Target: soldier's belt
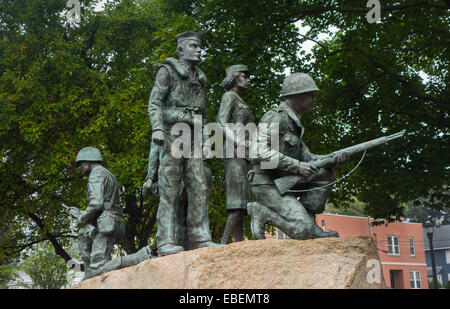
(181,114)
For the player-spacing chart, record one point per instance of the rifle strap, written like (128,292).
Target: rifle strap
(333,182)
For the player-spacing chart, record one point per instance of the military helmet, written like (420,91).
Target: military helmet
(298,83)
(89,154)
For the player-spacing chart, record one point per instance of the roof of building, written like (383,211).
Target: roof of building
(441,238)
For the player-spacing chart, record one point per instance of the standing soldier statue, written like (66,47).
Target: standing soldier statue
(101,224)
(292,212)
(178,96)
(151,187)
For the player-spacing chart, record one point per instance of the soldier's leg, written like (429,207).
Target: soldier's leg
(314,201)
(170,177)
(285,212)
(238,231)
(197,212)
(85,246)
(101,250)
(234,225)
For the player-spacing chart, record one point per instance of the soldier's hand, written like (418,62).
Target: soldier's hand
(306,169)
(158,137)
(341,158)
(147,188)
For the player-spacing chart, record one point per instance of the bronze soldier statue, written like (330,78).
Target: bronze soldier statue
(101,224)
(292,212)
(178,96)
(151,187)
(233,110)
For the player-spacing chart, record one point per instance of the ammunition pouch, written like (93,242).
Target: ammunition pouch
(111,223)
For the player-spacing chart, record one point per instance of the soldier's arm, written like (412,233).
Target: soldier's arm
(96,199)
(153,162)
(224,115)
(157,96)
(267,151)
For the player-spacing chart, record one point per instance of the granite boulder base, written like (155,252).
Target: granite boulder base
(326,263)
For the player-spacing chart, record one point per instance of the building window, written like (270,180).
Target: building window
(447,256)
(393,246)
(414,279)
(412,248)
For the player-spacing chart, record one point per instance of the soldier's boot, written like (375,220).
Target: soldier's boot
(258,222)
(205,244)
(88,273)
(301,228)
(169,249)
(124,261)
(319,233)
(136,258)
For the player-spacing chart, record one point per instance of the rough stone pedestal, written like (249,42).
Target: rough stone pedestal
(256,264)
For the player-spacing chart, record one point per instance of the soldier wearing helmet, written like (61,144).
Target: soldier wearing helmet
(101,224)
(293,213)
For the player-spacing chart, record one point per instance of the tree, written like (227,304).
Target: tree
(64,87)
(370,81)
(426,209)
(45,269)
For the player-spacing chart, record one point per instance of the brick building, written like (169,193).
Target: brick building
(400,247)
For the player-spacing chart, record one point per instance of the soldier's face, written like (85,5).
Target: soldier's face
(308,101)
(191,50)
(83,167)
(243,80)
(303,103)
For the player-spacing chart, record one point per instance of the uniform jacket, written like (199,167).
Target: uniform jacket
(176,96)
(292,150)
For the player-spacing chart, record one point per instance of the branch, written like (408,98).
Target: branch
(20,248)
(59,250)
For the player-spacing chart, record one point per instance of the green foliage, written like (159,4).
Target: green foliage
(441,286)
(45,269)
(64,87)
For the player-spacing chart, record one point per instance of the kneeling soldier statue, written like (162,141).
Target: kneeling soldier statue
(292,212)
(101,224)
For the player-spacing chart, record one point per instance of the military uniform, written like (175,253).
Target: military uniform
(292,212)
(177,97)
(104,213)
(234,110)
(180,230)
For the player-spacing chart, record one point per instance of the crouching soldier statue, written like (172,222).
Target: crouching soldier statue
(293,212)
(101,224)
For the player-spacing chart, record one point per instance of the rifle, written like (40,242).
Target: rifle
(72,211)
(284,184)
(75,213)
